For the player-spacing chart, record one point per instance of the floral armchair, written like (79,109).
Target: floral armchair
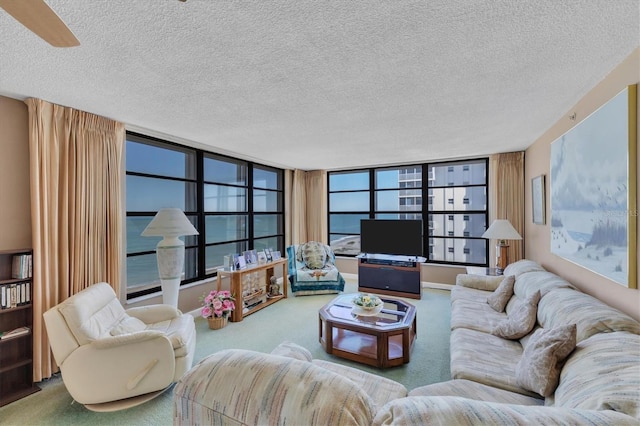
(312,269)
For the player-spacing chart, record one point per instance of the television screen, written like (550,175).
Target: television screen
(388,236)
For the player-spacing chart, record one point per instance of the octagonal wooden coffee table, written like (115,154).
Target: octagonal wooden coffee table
(382,340)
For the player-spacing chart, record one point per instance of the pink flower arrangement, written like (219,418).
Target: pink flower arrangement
(218,304)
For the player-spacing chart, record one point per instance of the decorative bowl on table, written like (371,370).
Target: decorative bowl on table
(367,304)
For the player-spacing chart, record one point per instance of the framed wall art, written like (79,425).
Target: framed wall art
(593,191)
(537,200)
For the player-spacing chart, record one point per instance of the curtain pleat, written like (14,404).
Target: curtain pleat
(507,201)
(298,207)
(317,227)
(76,209)
(308,206)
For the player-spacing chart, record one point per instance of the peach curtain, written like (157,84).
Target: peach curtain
(308,206)
(76,209)
(506,187)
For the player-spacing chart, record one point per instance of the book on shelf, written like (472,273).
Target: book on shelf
(14,333)
(15,294)
(22,266)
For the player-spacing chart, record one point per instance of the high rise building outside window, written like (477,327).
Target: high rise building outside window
(454,216)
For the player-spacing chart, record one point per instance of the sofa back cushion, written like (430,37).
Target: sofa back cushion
(236,386)
(528,283)
(522,267)
(590,315)
(602,373)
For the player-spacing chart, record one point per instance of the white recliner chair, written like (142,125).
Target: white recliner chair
(111,358)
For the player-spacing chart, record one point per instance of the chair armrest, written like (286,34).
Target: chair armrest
(154,313)
(127,339)
(124,366)
(447,410)
(479,282)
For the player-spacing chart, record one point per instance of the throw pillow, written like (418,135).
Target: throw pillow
(521,320)
(539,368)
(499,298)
(312,254)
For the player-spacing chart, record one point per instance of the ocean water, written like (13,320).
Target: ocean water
(142,271)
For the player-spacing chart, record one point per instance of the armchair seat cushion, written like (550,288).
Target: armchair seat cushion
(179,330)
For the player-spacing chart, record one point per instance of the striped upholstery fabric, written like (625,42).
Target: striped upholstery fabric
(487,359)
(468,293)
(479,282)
(380,389)
(240,387)
(474,315)
(447,411)
(590,315)
(522,267)
(292,350)
(529,283)
(474,390)
(602,373)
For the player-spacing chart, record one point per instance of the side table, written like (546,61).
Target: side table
(235,286)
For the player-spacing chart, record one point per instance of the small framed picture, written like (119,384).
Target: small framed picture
(537,200)
(275,255)
(262,258)
(267,253)
(239,261)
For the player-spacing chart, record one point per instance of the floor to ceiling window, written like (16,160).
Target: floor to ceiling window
(234,204)
(454,214)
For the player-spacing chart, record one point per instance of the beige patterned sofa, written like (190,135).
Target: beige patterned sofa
(582,354)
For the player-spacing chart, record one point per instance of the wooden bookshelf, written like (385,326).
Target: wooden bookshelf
(16,353)
(236,278)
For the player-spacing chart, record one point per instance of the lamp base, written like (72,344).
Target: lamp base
(170,254)
(170,291)
(502,257)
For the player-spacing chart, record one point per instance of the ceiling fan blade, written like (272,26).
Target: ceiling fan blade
(37,16)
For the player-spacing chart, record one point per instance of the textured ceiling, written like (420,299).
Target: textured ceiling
(314,84)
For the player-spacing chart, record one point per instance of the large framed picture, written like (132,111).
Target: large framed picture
(593,191)
(537,200)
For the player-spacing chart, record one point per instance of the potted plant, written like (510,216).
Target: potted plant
(217,307)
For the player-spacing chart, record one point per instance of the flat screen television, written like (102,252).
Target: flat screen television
(391,236)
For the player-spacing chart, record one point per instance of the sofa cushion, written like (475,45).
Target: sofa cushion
(499,298)
(539,368)
(479,282)
(589,314)
(448,410)
(602,373)
(522,267)
(543,281)
(380,389)
(474,315)
(243,387)
(487,359)
(292,350)
(469,294)
(475,390)
(521,321)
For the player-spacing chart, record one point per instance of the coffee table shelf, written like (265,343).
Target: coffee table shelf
(383,340)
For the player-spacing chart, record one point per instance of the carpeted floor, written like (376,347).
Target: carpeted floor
(294,319)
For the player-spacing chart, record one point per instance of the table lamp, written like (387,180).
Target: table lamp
(501,230)
(170,223)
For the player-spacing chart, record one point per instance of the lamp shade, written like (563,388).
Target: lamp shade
(501,229)
(170,222)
